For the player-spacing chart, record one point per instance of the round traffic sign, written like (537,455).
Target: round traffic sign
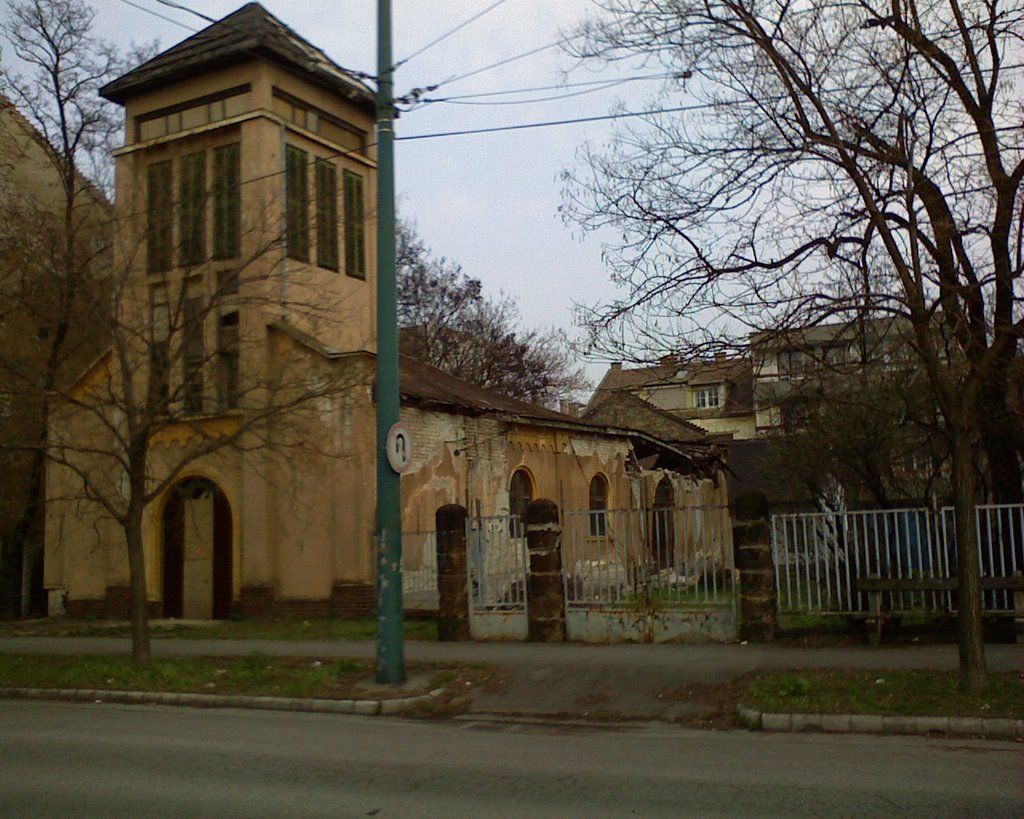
(399,448)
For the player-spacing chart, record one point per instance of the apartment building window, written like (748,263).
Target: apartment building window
(192,209)
(706,397)
(598,506)
(227,209)
(326,214)
(794,362)
(227,360)
(193,354)
(355,228)
(296,204)
(159,217)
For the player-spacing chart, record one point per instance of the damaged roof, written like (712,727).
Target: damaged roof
(428,387)
(249,32)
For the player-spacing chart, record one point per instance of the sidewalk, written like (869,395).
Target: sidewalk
(570,680)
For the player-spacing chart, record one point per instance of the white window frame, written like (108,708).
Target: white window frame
(702,396)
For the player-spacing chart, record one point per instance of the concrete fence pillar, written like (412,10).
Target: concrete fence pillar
(545,600)
(752,552)
(452,591)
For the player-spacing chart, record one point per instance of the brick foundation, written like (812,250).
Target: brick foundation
(255,600)
(347,600)
(115,605)
(353,599)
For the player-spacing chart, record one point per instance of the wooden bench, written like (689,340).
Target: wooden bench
(875,586)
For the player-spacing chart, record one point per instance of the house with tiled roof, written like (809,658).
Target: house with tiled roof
(715,396)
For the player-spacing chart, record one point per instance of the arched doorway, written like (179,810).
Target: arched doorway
(663,541)
(197,551)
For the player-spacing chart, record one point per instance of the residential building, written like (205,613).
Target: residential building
(712,395)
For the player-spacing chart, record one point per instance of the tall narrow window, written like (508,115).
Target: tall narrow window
(355,228)
(159,224)
(663,533)
(192,210)
(227,360)
(598,506)
(326,214)
(193,353)
(520,493)
(227,209)
(297,204)
(159,356)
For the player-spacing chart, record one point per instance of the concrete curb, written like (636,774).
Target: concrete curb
(323,706)
(1012,729)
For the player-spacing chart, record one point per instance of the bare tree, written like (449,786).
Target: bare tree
(448,321)
(825,161)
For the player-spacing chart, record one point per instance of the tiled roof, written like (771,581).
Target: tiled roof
(428,386)
(669,372)
(623,409)
(250,31)
(737,373)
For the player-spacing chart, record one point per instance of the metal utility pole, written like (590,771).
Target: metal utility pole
(390,650)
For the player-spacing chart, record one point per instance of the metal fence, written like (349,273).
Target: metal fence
(419,570)
(820,556)
(497,563)
(648,558)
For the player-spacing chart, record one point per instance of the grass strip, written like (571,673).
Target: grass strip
(255,675)
(247,629)
(895,693)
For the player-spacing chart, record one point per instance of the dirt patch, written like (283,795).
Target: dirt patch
(715,704)
(459,687)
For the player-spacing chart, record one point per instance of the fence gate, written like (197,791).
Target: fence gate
(497,564)
(650,575)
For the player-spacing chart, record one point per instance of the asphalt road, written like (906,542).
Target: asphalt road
(60,759)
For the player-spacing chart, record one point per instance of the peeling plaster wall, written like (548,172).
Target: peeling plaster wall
(470,460)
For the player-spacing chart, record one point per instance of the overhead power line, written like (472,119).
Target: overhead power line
(553,87)
(450,32)
(506,61)
(551,123)
(161,16)
(591,88)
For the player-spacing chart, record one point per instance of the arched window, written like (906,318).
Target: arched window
(520,493)
(663,532)
(598,506)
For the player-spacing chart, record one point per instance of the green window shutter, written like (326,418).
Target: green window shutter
(159,226)
(192,209)
(297,204)
(193,355)
(355,226)
(326,214)
(227,208)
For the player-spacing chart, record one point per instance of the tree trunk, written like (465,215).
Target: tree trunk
(137,579)
(969,638)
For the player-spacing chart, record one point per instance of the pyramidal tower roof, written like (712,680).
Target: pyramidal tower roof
(249,32)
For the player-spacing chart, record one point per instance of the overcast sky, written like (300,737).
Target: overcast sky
(487,201)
